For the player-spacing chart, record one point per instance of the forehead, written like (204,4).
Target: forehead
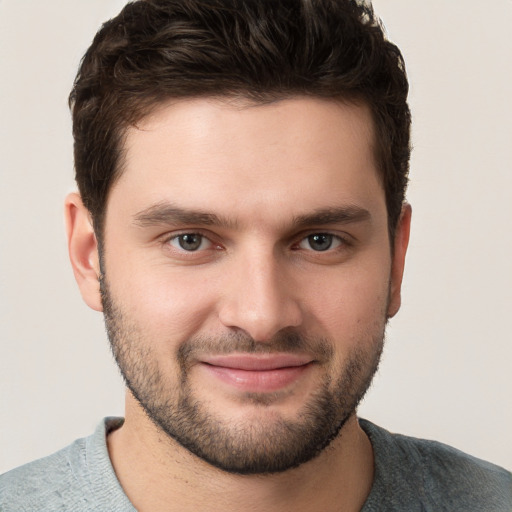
(212,154)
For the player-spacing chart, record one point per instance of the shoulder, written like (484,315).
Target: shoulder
(78,477)
(44,483)
(436,475)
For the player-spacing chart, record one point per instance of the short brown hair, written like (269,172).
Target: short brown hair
(262,50)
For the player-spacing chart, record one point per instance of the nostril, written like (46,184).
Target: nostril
(260,322)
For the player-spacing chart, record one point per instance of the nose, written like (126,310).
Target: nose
(260,298)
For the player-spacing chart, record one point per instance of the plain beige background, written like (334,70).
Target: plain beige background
(446,372)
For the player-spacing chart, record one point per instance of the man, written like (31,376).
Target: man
(242,225)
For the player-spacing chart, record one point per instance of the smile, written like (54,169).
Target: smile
(257,373)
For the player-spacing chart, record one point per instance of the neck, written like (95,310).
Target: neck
(145,459)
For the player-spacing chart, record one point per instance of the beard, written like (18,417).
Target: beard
(265,443)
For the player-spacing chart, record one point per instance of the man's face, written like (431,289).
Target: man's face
(248,275)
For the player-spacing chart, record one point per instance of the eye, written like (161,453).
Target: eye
(320,242)
(190,242)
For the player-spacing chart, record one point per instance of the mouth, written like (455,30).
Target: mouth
(261,373)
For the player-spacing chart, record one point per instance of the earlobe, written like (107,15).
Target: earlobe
(400,244)
(83,250)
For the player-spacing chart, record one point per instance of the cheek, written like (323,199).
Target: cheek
(167,306)
(353,303)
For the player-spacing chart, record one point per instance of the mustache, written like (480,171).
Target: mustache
(292,342)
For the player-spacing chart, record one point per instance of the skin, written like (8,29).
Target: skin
(258,168)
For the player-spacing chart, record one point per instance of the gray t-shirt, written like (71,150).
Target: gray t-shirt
(410,475)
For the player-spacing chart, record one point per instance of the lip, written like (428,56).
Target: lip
(261,373)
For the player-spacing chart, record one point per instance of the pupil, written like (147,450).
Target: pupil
(190,242)
(320,242)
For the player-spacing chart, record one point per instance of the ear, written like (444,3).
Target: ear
(83,250)
(400,244)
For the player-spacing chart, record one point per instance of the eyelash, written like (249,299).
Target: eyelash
(169,246)
(339,241)
(334,239)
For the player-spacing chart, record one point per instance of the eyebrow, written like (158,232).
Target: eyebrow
(335,215)
(168,214)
